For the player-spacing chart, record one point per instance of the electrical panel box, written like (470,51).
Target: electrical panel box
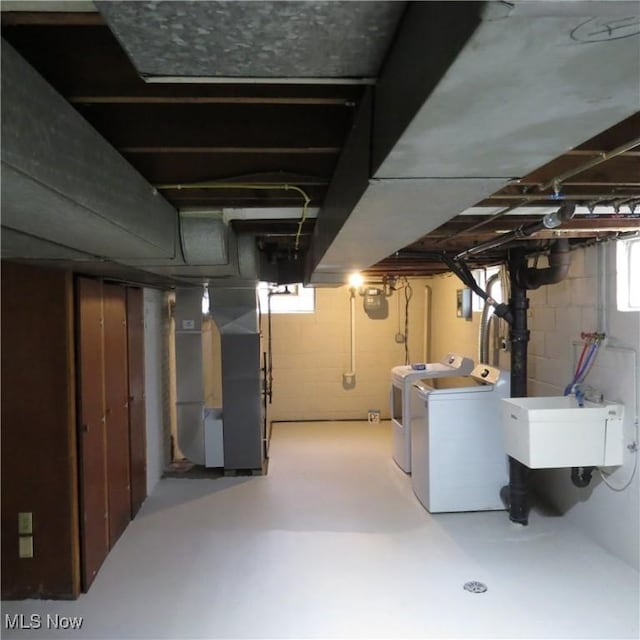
(463,303)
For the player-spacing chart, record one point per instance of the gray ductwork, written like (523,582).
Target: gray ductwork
(64,184)
(453,117)
(205,239)
(234,310)
(189,374)
(296,39)
(212,250)
(67,194)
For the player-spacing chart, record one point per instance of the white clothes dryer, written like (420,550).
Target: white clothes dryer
(402,378)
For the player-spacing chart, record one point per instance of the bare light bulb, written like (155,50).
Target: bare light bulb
(356,280)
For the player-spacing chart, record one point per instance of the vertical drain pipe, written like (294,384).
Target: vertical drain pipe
(518,499)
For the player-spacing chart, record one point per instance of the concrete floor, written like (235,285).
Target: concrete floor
(332,543)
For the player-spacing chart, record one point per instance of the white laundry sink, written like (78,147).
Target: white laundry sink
(551,432)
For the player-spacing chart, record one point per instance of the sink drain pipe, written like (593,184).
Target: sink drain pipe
(515,495)
(581,476)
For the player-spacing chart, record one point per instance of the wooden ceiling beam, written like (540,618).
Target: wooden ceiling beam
(184,168)
(86,64)
(238,150)
(598,152)
(237,201)
(574,193)
(508,223)
(198,125)
(615,136)
(153,98)
(621,169)
(52,18)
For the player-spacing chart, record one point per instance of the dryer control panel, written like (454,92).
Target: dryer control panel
(486,374)
(462,364)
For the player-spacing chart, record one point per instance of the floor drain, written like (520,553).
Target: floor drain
(475,587)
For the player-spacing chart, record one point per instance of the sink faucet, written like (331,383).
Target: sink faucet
(587,392)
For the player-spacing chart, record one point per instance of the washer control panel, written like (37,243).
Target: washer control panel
(486,374)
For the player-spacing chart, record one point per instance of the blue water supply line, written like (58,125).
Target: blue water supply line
(581,476)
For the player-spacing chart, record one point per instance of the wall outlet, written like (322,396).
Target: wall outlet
(25,547)
(373,416)
(25,523)
(400,338)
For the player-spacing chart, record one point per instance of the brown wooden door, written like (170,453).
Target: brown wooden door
(116,388)
(137,416)
(94,525)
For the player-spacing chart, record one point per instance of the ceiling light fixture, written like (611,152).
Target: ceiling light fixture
(356,280)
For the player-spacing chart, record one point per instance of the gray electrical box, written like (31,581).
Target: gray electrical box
(463,303)
(372,299)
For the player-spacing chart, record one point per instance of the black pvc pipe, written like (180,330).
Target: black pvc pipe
(518,498)
(581,476)
(559,263)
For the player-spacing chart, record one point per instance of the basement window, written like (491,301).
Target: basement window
(205,302)
(290,298)
(628,274)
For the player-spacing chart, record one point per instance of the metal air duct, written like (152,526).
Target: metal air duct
(64,184)
(453,117)
(235,312)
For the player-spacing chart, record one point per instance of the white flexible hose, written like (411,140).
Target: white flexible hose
(636,401)
(604,476)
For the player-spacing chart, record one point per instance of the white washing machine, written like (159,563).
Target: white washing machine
(458,460)
(402,378)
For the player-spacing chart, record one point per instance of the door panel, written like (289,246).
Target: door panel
(137,417)
(92,436)
(117,411)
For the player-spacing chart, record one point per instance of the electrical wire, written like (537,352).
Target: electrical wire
(250,185)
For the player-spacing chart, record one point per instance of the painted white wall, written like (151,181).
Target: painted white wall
(311,351)
(558,314)
(153,382)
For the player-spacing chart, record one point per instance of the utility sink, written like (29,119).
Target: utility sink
(551,432)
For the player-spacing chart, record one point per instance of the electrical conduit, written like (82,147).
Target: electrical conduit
(350,375)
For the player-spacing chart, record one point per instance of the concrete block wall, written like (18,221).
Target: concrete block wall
(312,351)
(448,332)
(558,314)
